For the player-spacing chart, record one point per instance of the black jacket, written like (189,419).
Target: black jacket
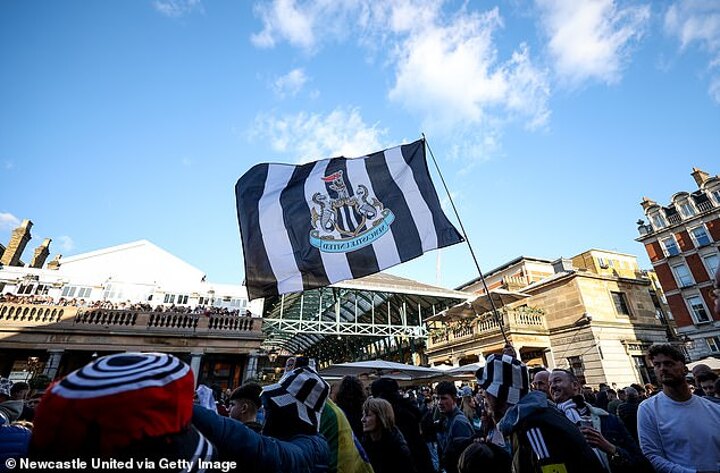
(541,436)
(390,454)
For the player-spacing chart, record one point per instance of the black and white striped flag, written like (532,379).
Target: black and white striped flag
(309,226)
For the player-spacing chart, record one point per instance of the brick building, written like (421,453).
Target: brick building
(682,240)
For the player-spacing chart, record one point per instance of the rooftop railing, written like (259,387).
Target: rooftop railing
(64,318)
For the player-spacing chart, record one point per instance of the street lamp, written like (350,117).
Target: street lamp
(272,356)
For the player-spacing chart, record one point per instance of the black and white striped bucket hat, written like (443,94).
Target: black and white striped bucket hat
(301,392)
(505,377)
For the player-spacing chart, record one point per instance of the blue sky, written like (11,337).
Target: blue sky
(550,119)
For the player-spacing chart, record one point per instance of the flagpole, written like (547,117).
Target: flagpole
(467,240)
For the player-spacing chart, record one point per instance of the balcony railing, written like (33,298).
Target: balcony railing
(674,219)
(704,206)
(486,325)
(68,318)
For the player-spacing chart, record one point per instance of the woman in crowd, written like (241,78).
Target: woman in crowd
(383,442)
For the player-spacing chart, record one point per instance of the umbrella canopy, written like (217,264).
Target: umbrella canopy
(466,371)
(713,363)
(380,368)
(479,305)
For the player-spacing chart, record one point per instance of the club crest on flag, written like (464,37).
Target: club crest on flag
(343,222)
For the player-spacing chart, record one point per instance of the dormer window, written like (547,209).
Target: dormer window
(716,196)
(687,209)
(658,221)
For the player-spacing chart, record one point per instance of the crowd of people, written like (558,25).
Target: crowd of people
(128,305)
(140,407)
(139,410)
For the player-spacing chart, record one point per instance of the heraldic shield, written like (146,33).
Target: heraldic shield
(343,222)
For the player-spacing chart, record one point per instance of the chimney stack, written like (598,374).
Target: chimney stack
(700,176)
(55,263)
(647,203)
(41,254)
(19,239)
(562,264)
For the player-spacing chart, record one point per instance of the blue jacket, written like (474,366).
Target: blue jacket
(14,441)
(258,453)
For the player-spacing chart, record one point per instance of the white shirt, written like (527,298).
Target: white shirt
(680,437)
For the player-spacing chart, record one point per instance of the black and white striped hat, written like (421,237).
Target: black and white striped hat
(301,392)
(505,377)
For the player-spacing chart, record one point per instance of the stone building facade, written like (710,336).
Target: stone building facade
(596,314)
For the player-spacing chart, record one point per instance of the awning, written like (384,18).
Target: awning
(478,305)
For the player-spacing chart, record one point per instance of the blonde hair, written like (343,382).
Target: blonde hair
(467,408)
(383,411)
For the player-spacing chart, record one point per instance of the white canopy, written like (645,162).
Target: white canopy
(380,368)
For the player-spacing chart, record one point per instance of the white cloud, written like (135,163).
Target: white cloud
(591,39)
(698,22)
(178,8)
(66,243)
(8,221)
(455,68)
(309,137)
(446,67)
(286,20)
(290,84)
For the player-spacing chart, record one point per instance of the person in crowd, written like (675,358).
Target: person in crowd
(649,390)
(429,428)
(350,397)
(707,380)
(10,408)
(640,390)
(540,382)
(14,442)
(382,440)
(678,431)
(588,394)
(456,429)
(407,419)
(469,407)
(31,404)
(125,406)
(244,405)
(601,399)
(347,454)
(542,438)
(697,370)
(619,398)
(612,443)
(484,457)
(19,392)
(627,411)
(290,441)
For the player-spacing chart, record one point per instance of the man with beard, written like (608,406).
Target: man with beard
(605,433)
(678,431)
(542,439)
